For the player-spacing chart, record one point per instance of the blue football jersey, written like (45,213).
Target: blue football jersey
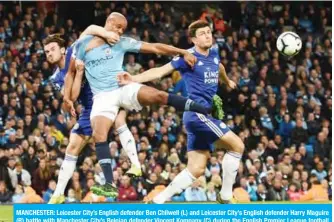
(202,84)
(58,76)
(58,80)
(202,80)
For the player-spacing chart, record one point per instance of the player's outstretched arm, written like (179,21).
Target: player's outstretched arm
(154,73)
(96,30)
(76,87)
(147,76)
(225,78)
(163,49)
(69,79)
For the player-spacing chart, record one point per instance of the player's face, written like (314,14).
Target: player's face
(53,52)
(203,38)
(117,25)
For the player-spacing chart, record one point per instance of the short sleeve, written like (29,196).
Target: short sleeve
(178,63)
(73,50)
(130,44)
(79,49)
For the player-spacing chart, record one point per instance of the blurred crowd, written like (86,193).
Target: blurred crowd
(282,109)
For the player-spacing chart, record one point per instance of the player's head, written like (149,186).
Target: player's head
(201,34)
(54,47)
(116,22)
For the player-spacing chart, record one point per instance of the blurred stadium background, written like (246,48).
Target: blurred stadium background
(282,109)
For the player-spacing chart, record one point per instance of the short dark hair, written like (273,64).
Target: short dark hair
(55,38)
(197,25)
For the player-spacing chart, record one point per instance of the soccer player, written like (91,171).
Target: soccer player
(203,132)
(102,64)
(57,54)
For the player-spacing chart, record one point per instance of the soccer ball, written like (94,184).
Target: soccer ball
(289,44)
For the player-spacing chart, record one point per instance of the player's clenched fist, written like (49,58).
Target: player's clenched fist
(190,59)
(69,106)
(111,37)
(124,78)
(231,84)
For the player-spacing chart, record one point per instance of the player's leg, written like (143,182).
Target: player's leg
(103,114)
(197,160)
(234,149)
(76,143)
(149,96)
(128,143)
(199,139)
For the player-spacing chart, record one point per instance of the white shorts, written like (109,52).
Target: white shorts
(108,103)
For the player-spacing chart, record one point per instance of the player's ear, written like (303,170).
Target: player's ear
(62,50)
(193,39)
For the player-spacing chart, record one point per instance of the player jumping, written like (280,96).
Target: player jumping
(203,132)
(102,64)
(54,47)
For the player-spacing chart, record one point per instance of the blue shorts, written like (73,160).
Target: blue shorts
(203,131)
(83,127)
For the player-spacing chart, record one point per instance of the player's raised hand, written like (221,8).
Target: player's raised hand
(231,84)
(111,37)
(190,59)
(124,78)
(69,106)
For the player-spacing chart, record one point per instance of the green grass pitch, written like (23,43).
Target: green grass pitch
(6,213)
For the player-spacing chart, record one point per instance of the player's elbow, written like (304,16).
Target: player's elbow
(157,48)
(71,73)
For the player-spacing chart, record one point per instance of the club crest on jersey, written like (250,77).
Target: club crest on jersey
(223,125)
(215,60)
(107,51)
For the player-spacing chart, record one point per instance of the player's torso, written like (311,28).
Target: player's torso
(102,64)
(202,81)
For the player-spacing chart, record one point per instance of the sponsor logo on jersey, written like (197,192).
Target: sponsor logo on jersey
(211,77)
(107,51)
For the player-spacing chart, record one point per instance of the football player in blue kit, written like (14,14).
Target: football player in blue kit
(204,132)
(54,47)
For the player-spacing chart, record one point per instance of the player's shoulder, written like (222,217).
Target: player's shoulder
(55,73)
(69,49)
(191,50)
(214,49)
(82,40)
(127,39)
